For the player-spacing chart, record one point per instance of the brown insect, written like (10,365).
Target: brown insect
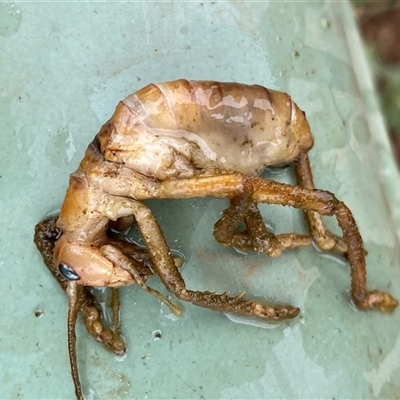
(186,139)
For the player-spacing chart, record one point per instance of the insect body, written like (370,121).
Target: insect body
(186,139)
(181,129)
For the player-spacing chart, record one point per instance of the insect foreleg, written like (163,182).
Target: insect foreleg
(115,306)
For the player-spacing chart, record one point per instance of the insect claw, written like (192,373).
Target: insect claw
(176,310)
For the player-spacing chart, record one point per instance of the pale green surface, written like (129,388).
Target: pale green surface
(64,67)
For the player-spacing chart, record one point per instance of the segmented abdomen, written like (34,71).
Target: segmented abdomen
(174,129)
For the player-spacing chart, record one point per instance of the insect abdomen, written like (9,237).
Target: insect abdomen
(175,129)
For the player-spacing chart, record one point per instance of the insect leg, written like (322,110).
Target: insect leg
(256,236)
(225,228)
(325,203)
(271,192)
(169,274)
(115,306)
(117,257)
(111,339)
(323,238)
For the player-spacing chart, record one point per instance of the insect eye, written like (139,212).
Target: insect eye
(68,272)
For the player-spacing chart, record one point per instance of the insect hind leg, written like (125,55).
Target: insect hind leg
(256,236)
(173,280)
(320,201)
(323,238)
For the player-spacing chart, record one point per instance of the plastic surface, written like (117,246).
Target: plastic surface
(64,68)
